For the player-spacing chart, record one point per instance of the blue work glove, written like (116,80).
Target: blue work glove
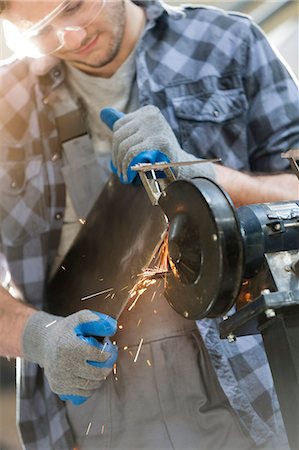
(147,129)
(74,361)
(109,116)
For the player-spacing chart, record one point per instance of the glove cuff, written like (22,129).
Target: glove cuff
(196,170)
(34,336)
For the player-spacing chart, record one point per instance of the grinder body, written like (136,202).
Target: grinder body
(214,247)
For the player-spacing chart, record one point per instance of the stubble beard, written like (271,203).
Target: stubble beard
(113,45)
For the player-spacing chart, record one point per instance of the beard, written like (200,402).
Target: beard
(115,22)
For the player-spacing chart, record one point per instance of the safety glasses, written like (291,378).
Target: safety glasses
(48,35)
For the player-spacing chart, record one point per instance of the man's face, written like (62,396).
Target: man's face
(91,44)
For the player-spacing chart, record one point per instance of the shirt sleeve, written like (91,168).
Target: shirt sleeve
(273,96)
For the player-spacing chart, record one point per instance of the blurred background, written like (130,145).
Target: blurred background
(280,21)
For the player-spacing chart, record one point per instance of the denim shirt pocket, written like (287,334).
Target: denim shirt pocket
(211,123)
(23,211)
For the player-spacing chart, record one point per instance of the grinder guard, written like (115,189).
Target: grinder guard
(205,248)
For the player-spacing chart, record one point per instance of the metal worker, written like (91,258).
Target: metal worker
(194,83)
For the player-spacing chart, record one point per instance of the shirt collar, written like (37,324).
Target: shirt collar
(155,9)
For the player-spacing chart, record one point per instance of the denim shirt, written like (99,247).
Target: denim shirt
(225,94)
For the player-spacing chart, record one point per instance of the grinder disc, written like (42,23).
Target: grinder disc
(205,249)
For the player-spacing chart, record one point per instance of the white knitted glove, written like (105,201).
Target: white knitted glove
(147,130)
(75,362)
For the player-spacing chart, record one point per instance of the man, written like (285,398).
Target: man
(225,94)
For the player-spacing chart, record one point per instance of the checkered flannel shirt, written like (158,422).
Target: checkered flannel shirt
(226,94)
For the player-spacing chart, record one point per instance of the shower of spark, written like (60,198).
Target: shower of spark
(139,288)
(149,276)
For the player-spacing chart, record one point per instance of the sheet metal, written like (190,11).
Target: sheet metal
(121,234)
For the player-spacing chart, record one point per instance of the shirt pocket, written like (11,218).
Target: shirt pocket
(22,202)
(212,124)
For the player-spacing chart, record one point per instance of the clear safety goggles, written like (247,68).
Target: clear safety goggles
(48,35)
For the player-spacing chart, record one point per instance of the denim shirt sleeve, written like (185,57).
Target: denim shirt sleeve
(273,98)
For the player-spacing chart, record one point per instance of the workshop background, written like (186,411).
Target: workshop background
(280,21)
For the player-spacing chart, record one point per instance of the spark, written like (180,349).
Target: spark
(51,323)
(138,350)
(101,279)
(116,379)
(88,428)
(138,289)
(136,299)
(102,429)
(124,288)
(114,369)
(173,268)
(82,221)
(120,327)
(155,311)
(96,293)
(107,296)
(104,346)
(63,268)
(154,294)
(131,353)
(139,322)
(125,347)
(150,276)
(148,362)
(112,296)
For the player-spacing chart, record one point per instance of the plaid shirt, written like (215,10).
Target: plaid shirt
(226,94)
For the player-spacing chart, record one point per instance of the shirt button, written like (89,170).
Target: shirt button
(45,101)
(216,113)
(58,216)
(13,184)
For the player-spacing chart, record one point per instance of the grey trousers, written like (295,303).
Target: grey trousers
(167,398)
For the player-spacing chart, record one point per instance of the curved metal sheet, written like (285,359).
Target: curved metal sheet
(120,237)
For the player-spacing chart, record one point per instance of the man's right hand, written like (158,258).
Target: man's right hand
(74,360)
